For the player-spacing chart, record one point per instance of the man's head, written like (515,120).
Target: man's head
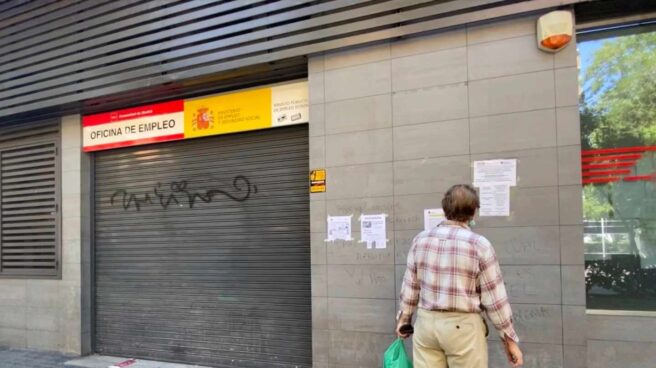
(460,203)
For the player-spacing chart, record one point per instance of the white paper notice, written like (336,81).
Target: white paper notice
(374,231)
(433,217)
(339,228)
(495,200)
(493,172)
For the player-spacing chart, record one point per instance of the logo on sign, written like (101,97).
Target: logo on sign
(203,119)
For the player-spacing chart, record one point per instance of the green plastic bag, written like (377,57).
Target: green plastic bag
(396,357)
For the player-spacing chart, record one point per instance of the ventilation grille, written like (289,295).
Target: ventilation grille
(29,229)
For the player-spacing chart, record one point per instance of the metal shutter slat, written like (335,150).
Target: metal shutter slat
(23,264)
(29,178)
(13,224)
(44,166)
(35,256)
(49,229)
(26,245)
(28,237)
(28,198)
(36,190)
(26,158)
(30,151)
(49,203)
(39,211)
(26,250)
(164,274)
(40,184)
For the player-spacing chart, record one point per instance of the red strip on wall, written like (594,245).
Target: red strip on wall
(134,113)
(608,166)
(600,180)
(618,150)
(606,172)
(634,156)
(640,177)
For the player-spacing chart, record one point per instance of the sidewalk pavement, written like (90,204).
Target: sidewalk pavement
(103,361)
(24,358)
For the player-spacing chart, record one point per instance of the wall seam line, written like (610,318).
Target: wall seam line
(562,307)
(391,101)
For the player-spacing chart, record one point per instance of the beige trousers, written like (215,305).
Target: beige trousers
(449,339)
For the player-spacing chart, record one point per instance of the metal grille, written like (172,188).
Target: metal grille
(29,220)
(59,53)
(202,250)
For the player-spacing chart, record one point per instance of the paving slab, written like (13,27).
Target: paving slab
(24,358)
(105,361)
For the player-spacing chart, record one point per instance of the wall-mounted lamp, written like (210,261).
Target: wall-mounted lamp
(555,30)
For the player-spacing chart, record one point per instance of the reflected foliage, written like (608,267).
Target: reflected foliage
(618,109)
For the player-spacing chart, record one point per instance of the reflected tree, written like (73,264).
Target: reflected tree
(618,109)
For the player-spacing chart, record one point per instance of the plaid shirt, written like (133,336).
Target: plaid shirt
(452,269)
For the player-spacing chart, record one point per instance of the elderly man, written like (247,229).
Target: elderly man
(453,275)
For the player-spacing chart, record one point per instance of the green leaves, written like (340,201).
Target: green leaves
(619,93)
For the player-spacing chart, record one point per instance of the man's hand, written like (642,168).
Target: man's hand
(402,321)
(513,353)
(398,330)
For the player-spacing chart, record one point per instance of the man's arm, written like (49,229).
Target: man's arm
(409,297)
(493,295)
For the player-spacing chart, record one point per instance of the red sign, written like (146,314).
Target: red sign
(129,127)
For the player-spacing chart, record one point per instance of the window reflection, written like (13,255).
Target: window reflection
(618,137)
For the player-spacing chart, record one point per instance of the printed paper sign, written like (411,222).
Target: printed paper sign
(290,104)
(318,181)
(433,217)
(240,111)
(495,172)
(495,200)
(373,231)
(339,228)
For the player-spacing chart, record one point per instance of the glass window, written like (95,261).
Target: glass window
(618,137)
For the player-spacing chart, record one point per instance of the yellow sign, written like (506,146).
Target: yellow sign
(318,181)
(234,112)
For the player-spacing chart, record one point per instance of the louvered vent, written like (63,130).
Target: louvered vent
(28,207)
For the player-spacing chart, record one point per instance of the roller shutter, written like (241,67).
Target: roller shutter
(202,251)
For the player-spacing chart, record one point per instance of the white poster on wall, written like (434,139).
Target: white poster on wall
(492,172)
(373,231)
(495,200)
(433,217)
(339,228)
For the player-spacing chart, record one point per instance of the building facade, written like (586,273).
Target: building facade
(155,199)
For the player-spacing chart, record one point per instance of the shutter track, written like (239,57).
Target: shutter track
(221,280)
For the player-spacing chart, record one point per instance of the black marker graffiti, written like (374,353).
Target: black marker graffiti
(242,189)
